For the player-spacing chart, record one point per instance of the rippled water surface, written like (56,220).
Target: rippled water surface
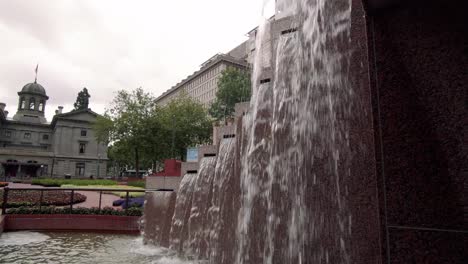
(35,247)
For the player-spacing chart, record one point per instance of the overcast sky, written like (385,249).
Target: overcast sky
(108,45)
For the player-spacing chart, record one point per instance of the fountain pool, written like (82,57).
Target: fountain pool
(65,247)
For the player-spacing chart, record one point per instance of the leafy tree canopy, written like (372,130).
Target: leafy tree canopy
(142,132)
(127,126)
(234,86)
(187,121)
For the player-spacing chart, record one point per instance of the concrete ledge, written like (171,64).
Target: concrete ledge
(188,166)
(223,131)
(240,109)
(206,150)
(2,223)
(102,223)
(163,182)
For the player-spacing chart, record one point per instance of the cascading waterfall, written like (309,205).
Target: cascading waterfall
(296,158)
(223,204)
(285,201)
(183,206)
(198,228)
(159,209)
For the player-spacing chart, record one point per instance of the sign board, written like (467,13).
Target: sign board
(192,154)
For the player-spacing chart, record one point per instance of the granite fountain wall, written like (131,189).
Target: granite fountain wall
(418,62)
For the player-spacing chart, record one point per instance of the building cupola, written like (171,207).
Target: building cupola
(32,103)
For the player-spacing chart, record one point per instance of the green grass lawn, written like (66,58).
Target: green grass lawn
(121,194)
(140,184)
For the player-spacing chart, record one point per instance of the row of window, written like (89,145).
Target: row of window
(27,135)
(206,96)
(202,89)
(199,85)
(80,168)
(204,77)
(81,146)
(32,104)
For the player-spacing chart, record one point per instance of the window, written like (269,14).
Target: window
(22,103)
(45,169)
(41,106)
(84,133)
(7,133)
(32,103)
(82,148)
(45,137)
(27,135)
(80,169)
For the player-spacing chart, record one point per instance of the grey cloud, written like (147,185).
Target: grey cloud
(111,45)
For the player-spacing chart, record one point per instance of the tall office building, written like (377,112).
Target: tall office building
(202,85)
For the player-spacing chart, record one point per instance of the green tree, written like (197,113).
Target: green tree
(82,100)
(127,124)
(186,123)
(119,156)
(233,87)
(140,132)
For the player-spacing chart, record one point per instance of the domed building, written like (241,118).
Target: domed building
(30,146)
(31,106)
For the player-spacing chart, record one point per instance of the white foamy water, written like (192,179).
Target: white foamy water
(294,151)
(138,247)
(21,238)
(173,260)
(69,248)
(295,161)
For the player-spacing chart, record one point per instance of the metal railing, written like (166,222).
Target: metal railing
(6,191)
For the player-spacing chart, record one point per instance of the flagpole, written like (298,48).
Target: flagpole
(37,68)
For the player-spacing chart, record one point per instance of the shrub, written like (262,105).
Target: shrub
(50,182)
(132,211)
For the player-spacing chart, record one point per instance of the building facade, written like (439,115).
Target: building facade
(202,85)
(282,25)
(31,147)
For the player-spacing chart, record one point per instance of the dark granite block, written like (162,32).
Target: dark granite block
(420,69)
(427,247)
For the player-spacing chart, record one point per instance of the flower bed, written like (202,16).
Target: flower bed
(132,211)
(17,198)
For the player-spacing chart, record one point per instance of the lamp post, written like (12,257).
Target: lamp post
(98,165)
(52,170)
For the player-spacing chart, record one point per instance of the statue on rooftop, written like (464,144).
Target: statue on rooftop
(82,101)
